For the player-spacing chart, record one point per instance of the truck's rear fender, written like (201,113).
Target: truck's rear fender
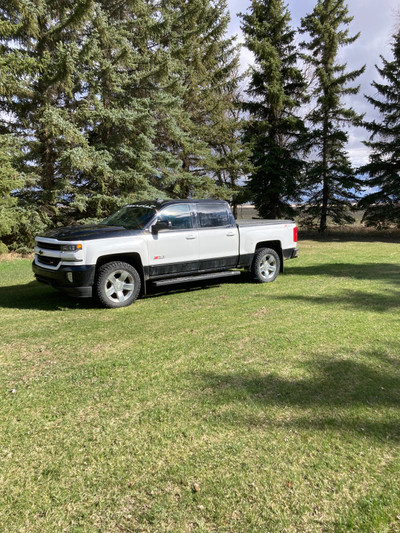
(133,259)
(275,245)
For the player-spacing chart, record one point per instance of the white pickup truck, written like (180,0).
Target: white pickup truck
(161,242)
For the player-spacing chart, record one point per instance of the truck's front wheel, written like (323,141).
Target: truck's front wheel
(117,284)
(266,265)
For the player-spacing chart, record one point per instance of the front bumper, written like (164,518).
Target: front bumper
(73,280)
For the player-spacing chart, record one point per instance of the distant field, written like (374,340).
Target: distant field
(236,408)
(355,231)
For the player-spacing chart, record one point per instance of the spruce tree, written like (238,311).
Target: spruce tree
(10,180)
(118,101)
(19,221)
(331,178)
(84,89)
(39,53)
(382,205)
(276,91)
(206,61)
(116,107)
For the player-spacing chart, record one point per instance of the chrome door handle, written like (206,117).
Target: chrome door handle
(190,237)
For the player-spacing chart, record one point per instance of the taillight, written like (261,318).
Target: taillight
(295,234)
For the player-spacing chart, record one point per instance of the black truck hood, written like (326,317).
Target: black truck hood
(87,232)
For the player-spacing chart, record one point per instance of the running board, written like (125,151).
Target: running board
(199,277)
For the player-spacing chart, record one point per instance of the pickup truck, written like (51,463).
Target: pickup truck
(160,242)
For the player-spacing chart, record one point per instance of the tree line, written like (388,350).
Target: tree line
(106,102)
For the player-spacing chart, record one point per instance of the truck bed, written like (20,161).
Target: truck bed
(261,222)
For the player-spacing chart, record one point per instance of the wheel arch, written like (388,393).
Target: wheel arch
(133,259)
(275,245)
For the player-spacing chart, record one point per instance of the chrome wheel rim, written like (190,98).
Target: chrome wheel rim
(268,266)
(119,286)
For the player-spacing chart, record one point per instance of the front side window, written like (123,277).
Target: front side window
(178,215)
(212,216)
(131,217)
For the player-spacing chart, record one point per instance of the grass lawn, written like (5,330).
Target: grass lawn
(236,408)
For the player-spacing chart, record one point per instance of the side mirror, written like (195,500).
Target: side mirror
(159,225)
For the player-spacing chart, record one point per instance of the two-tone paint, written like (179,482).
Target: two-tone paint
(164,254)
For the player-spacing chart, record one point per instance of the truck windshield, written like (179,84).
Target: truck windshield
(131,217)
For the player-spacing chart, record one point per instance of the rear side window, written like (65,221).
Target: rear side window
(213,216)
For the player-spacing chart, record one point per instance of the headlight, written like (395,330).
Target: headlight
(71,247)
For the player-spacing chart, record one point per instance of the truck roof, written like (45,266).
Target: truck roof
(162,203)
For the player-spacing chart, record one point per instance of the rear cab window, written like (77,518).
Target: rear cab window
(214,216)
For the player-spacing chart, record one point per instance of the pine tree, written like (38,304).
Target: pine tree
(85,91)
(19,221)
(383,204)
(276,89)
(117,100)
(232,155)
(331,179)
(206,61)
(9,182)
(46,54)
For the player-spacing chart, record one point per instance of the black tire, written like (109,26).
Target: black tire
(117,284)
(266,265)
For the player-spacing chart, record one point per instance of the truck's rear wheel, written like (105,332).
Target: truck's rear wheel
(117,284)
(266,265)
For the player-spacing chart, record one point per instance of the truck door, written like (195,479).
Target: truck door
(174,250)
(218,237)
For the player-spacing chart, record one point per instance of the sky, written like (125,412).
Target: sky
(376,20)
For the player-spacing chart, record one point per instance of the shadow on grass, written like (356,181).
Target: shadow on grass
(154,292)
(378,301)
(364,235)
(35,295)
(340,394)
(388,272)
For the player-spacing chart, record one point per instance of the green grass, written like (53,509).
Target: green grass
(235,408)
